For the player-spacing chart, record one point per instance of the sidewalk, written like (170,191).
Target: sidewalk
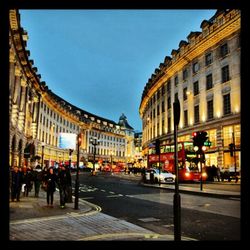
(183,188)
(31,219)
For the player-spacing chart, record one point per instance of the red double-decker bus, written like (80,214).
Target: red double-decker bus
(188,163)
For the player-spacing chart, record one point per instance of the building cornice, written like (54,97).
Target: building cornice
(190,52)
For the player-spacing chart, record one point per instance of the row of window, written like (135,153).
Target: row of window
(210,114)
(109,152)
(209,84)
(224,51)
(56,117)
(105,137)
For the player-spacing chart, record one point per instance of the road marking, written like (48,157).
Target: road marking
(149,219)
(115,195)
(119,235)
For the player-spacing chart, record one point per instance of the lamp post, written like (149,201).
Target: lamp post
(94,141)
(111,157)
(79,140)
(69,186)
(43,144)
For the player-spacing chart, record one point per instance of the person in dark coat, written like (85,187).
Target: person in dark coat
(68,186)
(37,177)
(50,180)
(62,185)
(16,184)
(27,180)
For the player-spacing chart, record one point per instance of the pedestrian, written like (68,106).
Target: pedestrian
(218,173)
(16,184)
(27,180)
(50,180)
(69,186)
(37,177)
(62,185)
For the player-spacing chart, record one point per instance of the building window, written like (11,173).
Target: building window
(196,114)
(176,96)
(162,126)
(196,88)
(158,110)
(169,102)
(208,59)
(169,87)
(185,118)
(163,90)
(158,94)
(224,50)
(163,106)
(185,74)
(176,81)
(195,67)
(153,113)
(226,104)
(225,74)
(209,81)
(210,109)
(169,124)
(185,94)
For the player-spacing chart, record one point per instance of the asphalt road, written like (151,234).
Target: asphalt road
(203,218)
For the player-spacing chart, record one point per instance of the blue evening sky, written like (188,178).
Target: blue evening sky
(100,60)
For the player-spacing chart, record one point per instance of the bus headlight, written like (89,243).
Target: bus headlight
(204,175)
(187,174)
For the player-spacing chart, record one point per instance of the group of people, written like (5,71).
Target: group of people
(22,180)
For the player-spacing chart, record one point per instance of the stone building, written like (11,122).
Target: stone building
(38,116)
(204,74)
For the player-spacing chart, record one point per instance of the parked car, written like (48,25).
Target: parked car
(154,175)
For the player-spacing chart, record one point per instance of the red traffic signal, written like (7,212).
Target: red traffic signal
(199,138)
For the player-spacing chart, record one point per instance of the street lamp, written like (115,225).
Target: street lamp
(79,140)
(111,157)
(69,187)
(43,144)
(94,141)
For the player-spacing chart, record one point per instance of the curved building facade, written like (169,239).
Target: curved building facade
(204,74)
(38,116)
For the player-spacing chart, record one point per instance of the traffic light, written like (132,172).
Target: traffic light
(199,139)
(157,146)
(231,148)
(208,143)
(195,139)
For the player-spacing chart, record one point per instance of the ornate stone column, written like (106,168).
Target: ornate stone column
(21,116)
(15,97)
(35,103)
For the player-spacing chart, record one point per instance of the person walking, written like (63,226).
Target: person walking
(16,184)
(27,180)
(62,185)
(50,180)
(69,186)
(37,177)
